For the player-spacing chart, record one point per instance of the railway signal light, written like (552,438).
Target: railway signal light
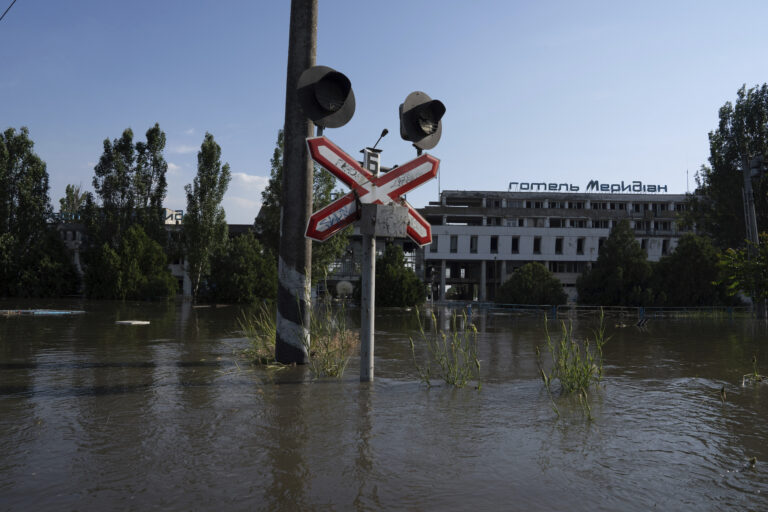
(326,96)
(420,120)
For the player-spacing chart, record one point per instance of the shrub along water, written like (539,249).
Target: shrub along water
(451,356)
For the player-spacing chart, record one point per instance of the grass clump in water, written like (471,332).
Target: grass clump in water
(260,329)
(574,365)
(331,343)
(754,377)
(451,356)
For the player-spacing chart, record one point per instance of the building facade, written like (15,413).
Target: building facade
(480,237)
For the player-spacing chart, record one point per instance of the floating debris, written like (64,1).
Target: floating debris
(132,322)
(38,312)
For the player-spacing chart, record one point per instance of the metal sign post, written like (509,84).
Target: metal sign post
(375,201)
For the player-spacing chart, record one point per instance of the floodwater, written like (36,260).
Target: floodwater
(167,416)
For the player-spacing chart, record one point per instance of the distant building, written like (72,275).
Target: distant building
(480,237)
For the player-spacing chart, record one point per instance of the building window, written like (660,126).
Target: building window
(454,243)
(644,244)
(433,245)
(580,246)
(601,224)
(537,245)
(515,244)
(473,244)
(556,223)
(578,223)
(520,223)
(559,245)
(494,244)
(600,243)
(664,247)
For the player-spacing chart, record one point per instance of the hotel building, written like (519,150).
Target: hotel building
(480,237)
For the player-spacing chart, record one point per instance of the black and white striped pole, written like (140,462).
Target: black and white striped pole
(295,254)
(323,96)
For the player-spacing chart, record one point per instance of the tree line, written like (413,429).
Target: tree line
(128,248)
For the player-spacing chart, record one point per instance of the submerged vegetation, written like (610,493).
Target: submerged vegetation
(574,365)
(451,356)
(260,329)
(330,343)
(754,377)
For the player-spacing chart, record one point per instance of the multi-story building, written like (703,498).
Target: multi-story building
(480,238)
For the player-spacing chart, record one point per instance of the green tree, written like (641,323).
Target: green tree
(267,222)
(137,270)
(716,207)
(129,180)
(746,269)
(243,272)
(72,202)
(621,275)
(532,283)
(689,275)
(33,261)
(205,224)
(112,181)
(150,184)
(396,284)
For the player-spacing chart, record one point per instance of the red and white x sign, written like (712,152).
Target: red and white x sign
(367,188)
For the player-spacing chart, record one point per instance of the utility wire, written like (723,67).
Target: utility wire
(6,11)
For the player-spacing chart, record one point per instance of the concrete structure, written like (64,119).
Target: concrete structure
(480,238)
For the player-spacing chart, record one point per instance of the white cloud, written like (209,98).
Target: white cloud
(252,182)
(249,204)
(191,131)
(183,149)
(173,168)
(243,199)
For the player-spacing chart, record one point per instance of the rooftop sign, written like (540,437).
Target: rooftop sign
(633,187)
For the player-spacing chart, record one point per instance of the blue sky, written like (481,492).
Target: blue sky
(534,91)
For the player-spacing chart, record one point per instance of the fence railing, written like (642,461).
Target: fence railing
(628,313)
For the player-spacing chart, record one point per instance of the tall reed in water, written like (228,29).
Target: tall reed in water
(574,365)
(451,356)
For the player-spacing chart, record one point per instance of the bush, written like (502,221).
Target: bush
(137,270)
(244,272)
(396,284)
(532,284)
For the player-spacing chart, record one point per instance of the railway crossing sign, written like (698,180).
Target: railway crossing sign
(368,188)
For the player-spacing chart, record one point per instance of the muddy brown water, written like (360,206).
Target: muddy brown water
(167,416)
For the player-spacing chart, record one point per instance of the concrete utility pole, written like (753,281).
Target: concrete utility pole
(295,259)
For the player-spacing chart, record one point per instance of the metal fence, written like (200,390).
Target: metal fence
(635,314)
